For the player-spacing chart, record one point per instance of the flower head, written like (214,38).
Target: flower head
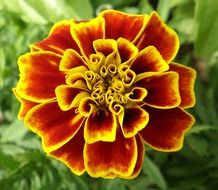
(96,90)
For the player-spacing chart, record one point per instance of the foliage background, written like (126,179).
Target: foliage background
(23,165)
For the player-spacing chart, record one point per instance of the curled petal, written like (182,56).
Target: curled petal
(115,108)
(163,89)
(111,159)
(39,76)
(140,158)
(87,106)
(187,78)
(129,78)
(96,61)
(100,126)
(133,120)
(55,127)
(118,24)
(58,40)
(71,154)
(166,128)
(26,105)
(71,60)
(149,60)
(158,34)
(69,97)
(85,33)
(137,94)
(127,50)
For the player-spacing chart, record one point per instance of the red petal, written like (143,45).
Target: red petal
(187,78)
(149,60)
(58,40)
(119,24)
(140,158)
(85,33)
(39,76)
(158,34)
(127,50)
(134,120)
(26,105)
(54,126)
(166,128)
(69,97)
(163,89)
(100,126)
(105,158)
(105,46)
(71,153)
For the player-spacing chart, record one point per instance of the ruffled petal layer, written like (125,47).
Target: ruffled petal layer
(158,34)
(166,128)
(58,40)
(187,78)
(54,126)
(71,154)
(114,159)
(39,76)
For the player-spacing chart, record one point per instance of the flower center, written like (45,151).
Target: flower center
(110,83)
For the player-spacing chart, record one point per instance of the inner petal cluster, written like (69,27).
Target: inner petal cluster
(110,83)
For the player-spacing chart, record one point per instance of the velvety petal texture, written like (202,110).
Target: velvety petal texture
(118,24)
(72,153)
(165,129)
(96,91)
(158,34)
(58,40)
(105,158)
(54,126)
(39,76)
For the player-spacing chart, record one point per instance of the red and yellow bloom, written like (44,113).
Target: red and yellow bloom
(95,91)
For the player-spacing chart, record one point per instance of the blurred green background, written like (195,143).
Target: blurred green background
(23,165)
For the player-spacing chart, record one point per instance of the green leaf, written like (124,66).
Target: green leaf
(15,132)
(201,128)
(206,18)
(78,9)
(2,65)
(139,183)
(178,2)
(163,9)
(145,7)
(8,162)
(198,144)
(154,174)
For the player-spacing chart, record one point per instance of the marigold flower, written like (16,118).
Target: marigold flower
(96,90)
